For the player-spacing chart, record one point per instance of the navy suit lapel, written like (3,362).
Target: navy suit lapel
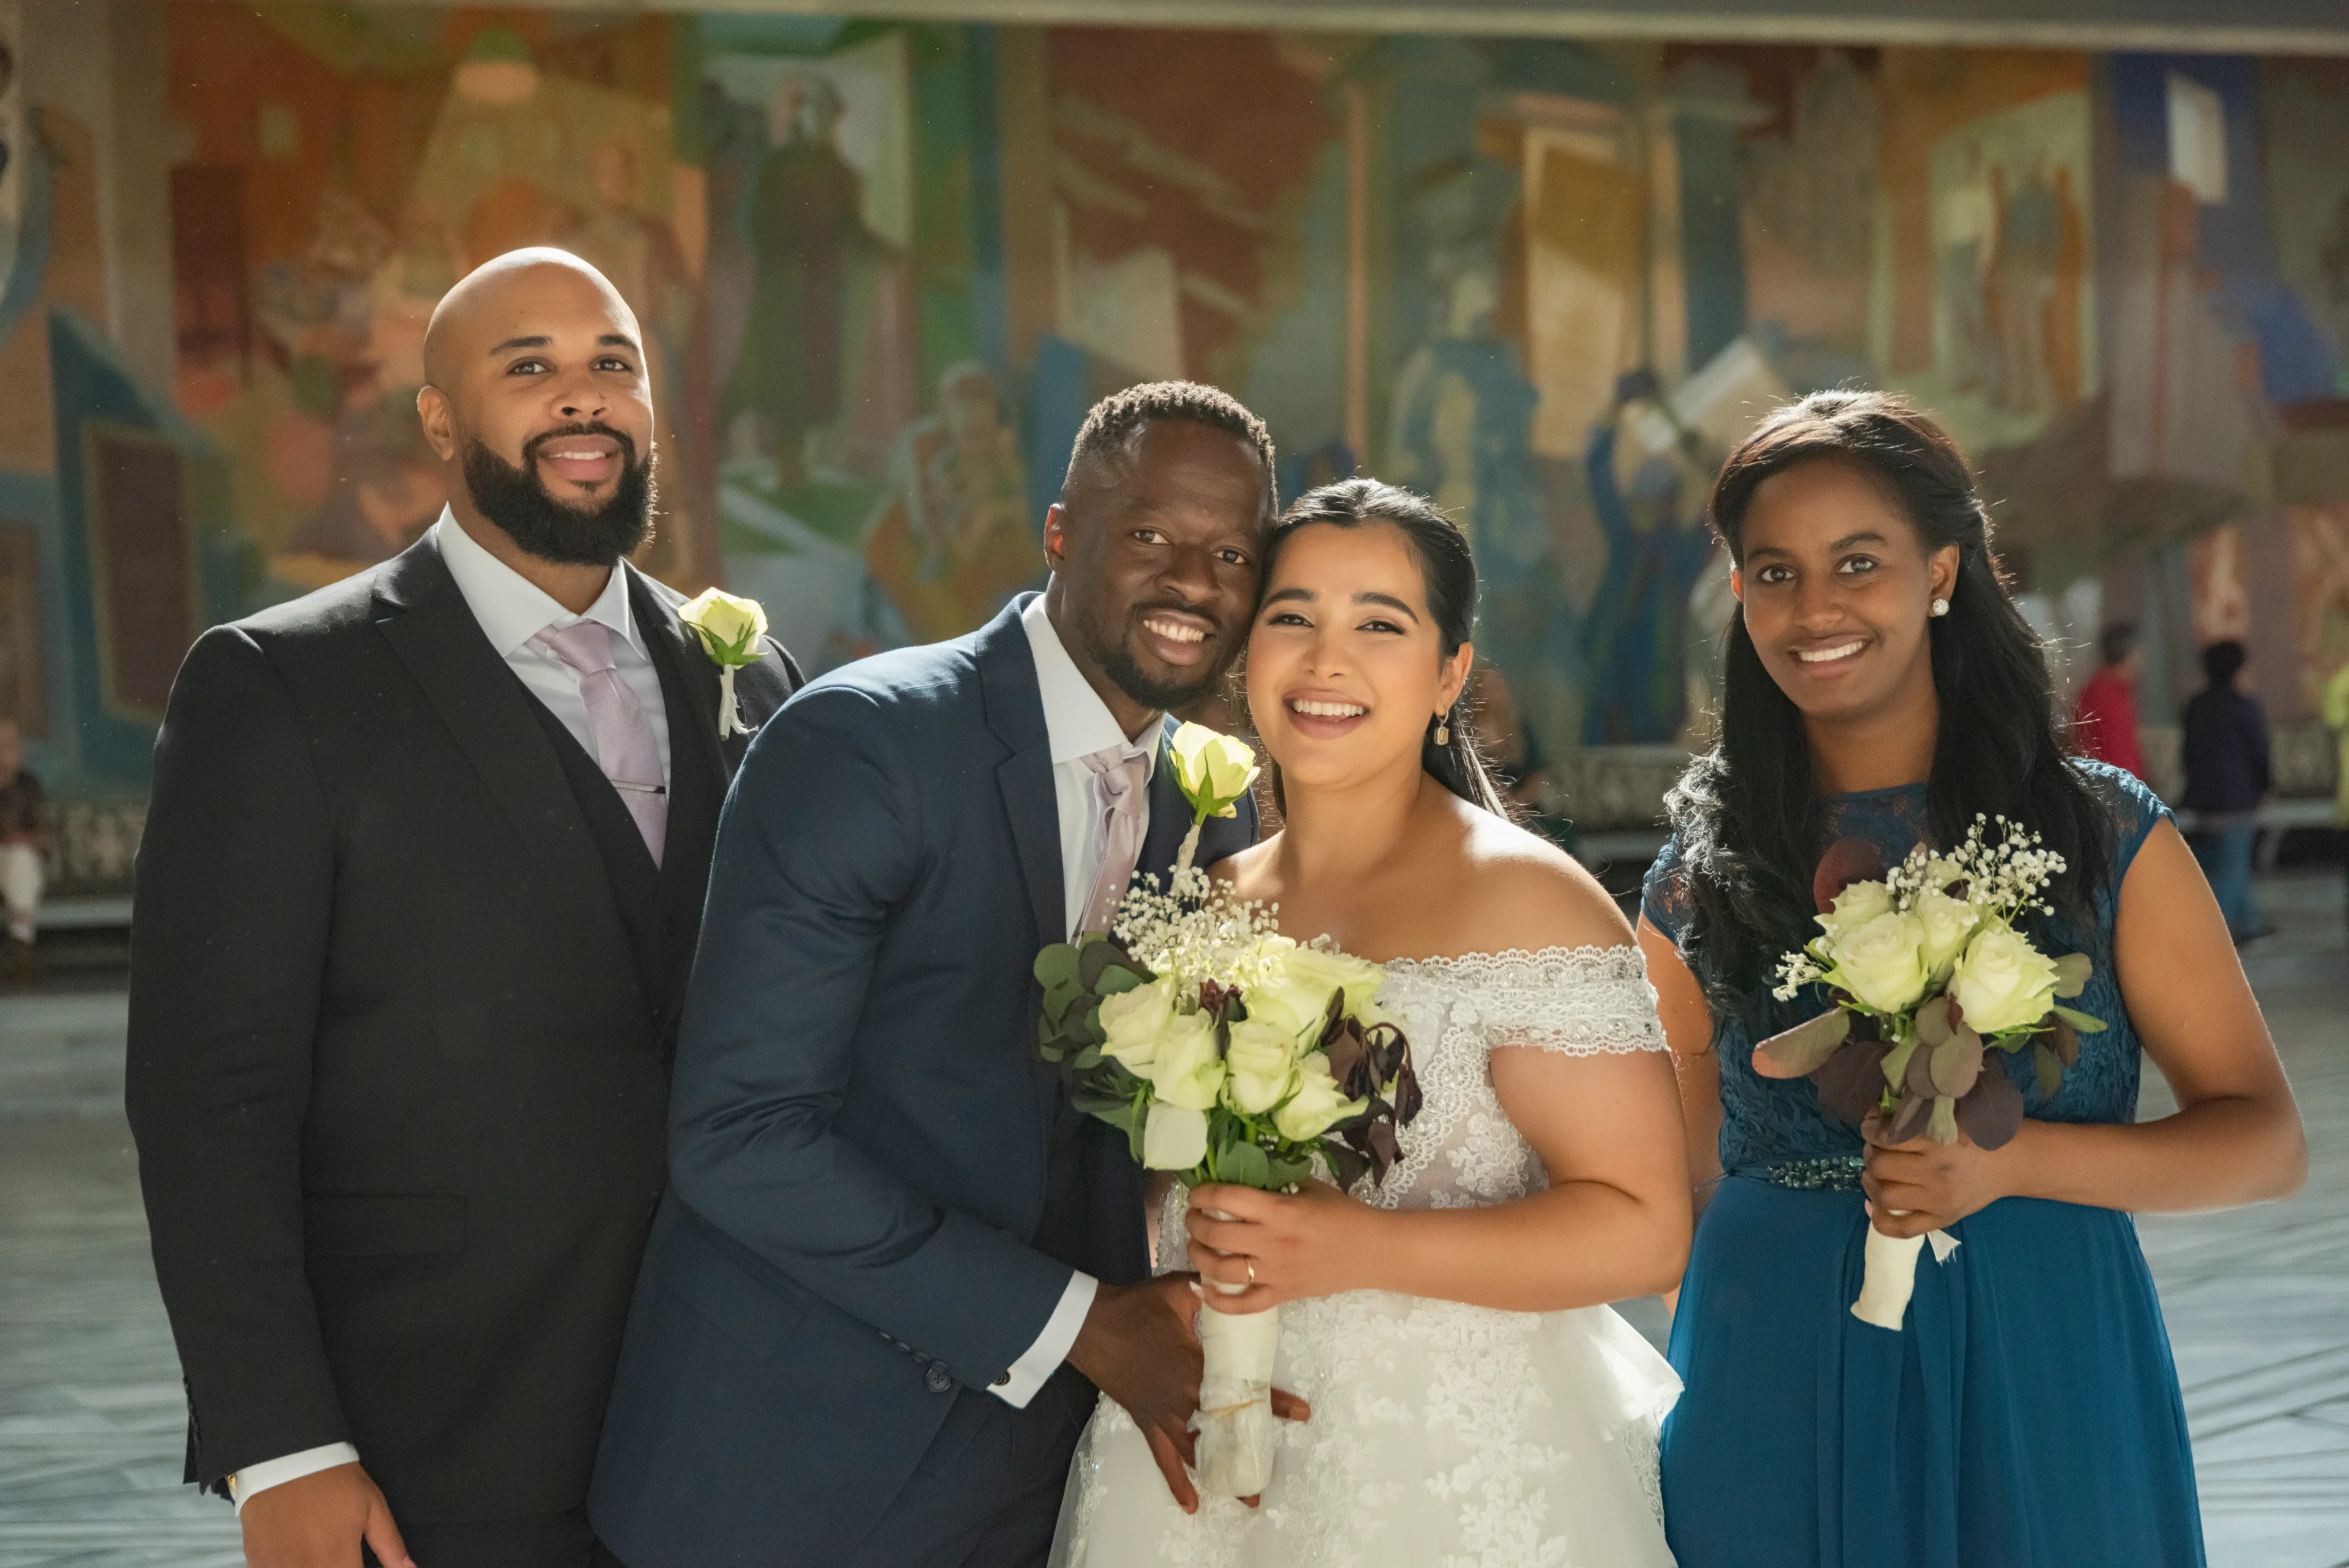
(1170,813)
(1015,713)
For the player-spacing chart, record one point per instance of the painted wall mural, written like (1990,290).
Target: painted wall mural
(885,268)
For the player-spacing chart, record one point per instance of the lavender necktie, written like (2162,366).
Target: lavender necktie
(625,747)
(1124,792)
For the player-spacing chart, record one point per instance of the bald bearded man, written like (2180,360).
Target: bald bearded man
(419,887)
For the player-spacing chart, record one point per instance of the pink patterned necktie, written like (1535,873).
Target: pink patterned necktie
(625,747)
(1124,787)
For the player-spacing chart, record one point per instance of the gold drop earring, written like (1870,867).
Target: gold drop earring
(1443,730)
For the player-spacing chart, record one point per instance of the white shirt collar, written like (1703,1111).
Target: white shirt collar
(511,607)
(1077,722)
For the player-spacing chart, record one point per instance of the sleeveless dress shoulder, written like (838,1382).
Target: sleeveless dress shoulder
(1442,1434)
(2027,1413)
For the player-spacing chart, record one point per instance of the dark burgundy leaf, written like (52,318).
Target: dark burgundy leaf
(1851,1084)
(1350,1060)
(1406,1095)
(1992,1114)
(1384,1149)
(1847,860)
(1347,1164)
(2064,1042)
(1919,1079)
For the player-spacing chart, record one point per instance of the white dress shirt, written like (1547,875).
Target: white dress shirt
(1077,723)
(511,609)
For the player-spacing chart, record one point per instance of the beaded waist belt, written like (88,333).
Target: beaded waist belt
(1836,1173)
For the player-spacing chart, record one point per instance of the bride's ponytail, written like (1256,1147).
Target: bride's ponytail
(1449,569)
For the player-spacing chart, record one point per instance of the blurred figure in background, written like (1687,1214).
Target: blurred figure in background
(1513,754)
(2104,719)
(2226,746)
(24,840)
(2336,719)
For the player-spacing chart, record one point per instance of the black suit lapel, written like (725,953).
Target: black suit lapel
(488,712)
(699,769)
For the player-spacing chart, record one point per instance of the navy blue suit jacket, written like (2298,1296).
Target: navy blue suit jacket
(859,1120)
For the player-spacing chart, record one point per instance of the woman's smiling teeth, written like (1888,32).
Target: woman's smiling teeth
(1175,630)
(1327,709)
(1828,655)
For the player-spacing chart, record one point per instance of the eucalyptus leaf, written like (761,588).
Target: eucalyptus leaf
(1909,1121)
(1933,1021)
(2085,1023)
(1116,980)
(1896,1064)
(2072,973)
(1245,1165)
(1992,1113)
(1956,1062)
(1086,1060)
(1942,1126)
(1805,1048)
(1057,966)
(2050,1069)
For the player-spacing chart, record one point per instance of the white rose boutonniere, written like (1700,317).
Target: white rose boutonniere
(730,629)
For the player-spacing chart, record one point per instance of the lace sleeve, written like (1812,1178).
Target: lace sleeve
(1664,896)
(1578,1002)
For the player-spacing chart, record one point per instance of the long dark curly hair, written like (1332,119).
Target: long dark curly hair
(1746,816)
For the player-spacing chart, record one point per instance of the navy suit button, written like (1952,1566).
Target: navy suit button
(937,1380)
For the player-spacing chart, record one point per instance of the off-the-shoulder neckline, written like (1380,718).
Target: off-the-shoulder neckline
(1586,952)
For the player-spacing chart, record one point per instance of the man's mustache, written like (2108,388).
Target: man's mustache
(530,447)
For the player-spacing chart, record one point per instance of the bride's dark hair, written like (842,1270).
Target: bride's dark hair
(1448,571)
(1743,816)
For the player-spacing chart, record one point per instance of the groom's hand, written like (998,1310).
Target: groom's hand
(1138,1347)
(319,1520)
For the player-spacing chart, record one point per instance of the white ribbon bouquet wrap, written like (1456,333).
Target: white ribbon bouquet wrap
(1927,972)
(1226,1052)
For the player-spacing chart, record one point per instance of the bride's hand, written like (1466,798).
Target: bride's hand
(1281,1248)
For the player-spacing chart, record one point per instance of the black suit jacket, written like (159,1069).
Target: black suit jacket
(405,984)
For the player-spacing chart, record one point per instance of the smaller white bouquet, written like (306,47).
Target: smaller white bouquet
(1226,1052)
(1928,972)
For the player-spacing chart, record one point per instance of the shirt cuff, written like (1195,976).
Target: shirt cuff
(253,1480)
(1043,1358)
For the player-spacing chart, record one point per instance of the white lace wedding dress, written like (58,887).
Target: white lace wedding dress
(1443,1436)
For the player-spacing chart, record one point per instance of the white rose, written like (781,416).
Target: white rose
(1175,1137)
(1940,872)
(1857,904)
(1317,1106)
(1881,962)
(1136,1023)
(1294,994)
(2002,983)
(1262,1060)
(1947,923)
(1185,1070)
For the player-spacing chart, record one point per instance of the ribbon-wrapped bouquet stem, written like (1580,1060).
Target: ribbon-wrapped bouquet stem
(1226,1052)
(1928,973)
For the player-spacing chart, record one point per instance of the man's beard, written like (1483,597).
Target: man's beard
(1161,693)
(518,501)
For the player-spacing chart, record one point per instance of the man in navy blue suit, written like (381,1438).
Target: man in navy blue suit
(894,1265)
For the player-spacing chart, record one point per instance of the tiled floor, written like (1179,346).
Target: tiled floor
(90,1414)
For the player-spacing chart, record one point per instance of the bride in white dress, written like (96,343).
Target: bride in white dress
(1473,1399)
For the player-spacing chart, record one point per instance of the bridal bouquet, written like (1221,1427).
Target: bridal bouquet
(1226,1052)
(1928,974)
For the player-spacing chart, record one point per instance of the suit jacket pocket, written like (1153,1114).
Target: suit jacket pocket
(383,1224)
(731,1300)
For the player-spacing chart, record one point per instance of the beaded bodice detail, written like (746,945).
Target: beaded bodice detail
(1460,1151)
(1771,1124)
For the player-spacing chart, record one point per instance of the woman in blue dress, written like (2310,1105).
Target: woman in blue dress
(1880,683)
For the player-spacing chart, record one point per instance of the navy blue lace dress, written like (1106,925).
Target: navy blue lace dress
(2028,1414)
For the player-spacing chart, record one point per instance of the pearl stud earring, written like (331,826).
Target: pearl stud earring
(1941,607)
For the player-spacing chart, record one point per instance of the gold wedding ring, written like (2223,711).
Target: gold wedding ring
(1251,1269)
